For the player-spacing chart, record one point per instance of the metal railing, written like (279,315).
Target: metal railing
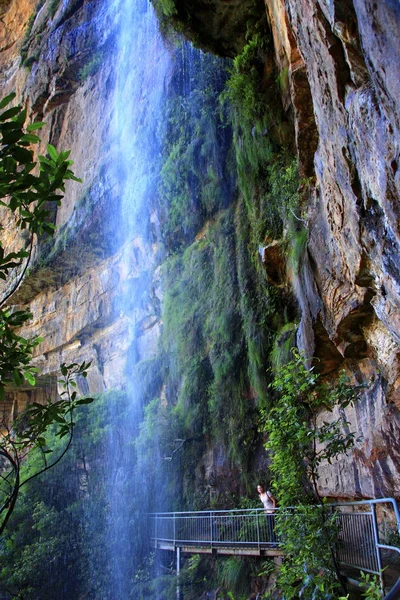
(361,540)
(214,528)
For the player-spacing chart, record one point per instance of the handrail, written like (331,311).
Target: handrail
(391,501)
(394,593)
(359,543)
(211,510)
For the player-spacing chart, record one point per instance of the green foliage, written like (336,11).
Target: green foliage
(204,340)
(91,66)
(267,172)
(31,432)
(297,447)
(244,86)
(231,576)
(249,110)
(195,179)
(260,305)
(60,527)
(29,198)
(372,584)
(282,348)
(268,183)
(15,351)
(22,192)
(283,178)
(53,5)
(168,7)
(297,243)
(27,191)
(308,569)
(372,587)
(235,574)
(219,317)
(43,549)
(283,79)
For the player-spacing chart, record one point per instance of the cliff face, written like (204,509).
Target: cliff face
(71,288)
(342,61)
(343,65)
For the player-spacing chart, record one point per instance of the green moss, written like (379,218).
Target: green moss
(282,348)
(195,178)
(167,7)
(296,240)
(220,319)
(204,340)
(91,66)
(283,79)
(52,8)
(244,88)
(25,43)
(29,62)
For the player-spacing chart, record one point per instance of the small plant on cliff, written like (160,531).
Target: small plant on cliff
(53,5)
(244,86)
(25,198)
(28,30)
(298,444)
(91,67)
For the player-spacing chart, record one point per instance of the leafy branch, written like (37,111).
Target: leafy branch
(28,196)
(29,432)
(28,190)
(298,444)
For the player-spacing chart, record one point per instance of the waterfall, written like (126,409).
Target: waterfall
(141,70)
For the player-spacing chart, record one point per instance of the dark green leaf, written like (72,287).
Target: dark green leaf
(7,100)
(10,113)
(35,126)
(52,152)
(85,401)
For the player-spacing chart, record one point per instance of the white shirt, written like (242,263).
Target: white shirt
(266,499)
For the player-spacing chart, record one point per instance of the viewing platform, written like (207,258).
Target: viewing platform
(365,530)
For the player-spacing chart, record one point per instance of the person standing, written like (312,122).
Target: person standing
(267,499)
(269,503)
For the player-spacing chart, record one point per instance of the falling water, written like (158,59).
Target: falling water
(141,71)
(145,76)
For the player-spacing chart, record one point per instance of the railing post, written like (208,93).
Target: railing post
(178,572)
(258,532)
(376,539)
(174,527)
(156,532)
(211,529)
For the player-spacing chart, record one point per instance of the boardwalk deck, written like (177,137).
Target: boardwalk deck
(361,544)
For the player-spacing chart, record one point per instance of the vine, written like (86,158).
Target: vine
(298,445)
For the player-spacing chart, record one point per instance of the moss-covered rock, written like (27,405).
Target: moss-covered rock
(219,26)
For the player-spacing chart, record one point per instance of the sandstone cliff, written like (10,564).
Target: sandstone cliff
(343,65)
(342,61)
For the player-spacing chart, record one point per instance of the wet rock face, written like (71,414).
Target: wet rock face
(343,63)
(216,26)
(371,469)
(71,287)
(353,219)
(349,287)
